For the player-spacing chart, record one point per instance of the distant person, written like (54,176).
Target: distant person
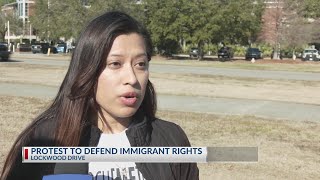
(106,99)
(69,47)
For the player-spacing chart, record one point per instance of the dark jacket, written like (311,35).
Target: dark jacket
(141,133)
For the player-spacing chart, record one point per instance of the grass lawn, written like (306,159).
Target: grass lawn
(276,65)
(287,150)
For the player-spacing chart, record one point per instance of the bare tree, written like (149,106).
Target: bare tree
(272,18)
(297,30)
(286,26)
(15,24)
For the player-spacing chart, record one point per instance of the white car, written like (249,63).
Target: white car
(310,55)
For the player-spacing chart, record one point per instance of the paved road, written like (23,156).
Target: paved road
(272,109)
(261,108)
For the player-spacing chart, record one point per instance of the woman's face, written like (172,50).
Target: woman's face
(122,84)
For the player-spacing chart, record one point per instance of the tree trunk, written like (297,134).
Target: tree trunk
(276,55)
(200,54)
(294,54)
(2,36)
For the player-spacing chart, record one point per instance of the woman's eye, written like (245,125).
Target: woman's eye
(114,65)
(141,65)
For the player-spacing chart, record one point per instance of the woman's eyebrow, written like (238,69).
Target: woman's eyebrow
(136,56)
(116,55)
(141,55)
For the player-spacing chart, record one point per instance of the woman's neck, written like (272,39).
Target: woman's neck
(110,125)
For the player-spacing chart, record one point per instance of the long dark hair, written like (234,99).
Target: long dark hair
(75,101)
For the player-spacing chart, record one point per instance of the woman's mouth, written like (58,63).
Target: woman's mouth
(129,99)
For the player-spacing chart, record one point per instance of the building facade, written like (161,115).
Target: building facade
(22,9)
(271,22)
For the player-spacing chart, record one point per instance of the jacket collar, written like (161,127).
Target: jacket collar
(138,133)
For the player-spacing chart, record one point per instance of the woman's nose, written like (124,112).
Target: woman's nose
(129,76)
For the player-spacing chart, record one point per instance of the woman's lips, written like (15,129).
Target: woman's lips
(129,98)
(129,101)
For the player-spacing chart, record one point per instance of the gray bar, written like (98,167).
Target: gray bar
(232,154)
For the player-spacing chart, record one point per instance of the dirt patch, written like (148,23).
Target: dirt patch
(32,74)
(286,61)
(15,114)
(244,88)
(287,150)
(265,64)
(241,60)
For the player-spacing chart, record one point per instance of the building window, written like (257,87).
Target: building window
(23,9)
(26,10)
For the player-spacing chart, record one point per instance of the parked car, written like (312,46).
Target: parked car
(253,53)
(39,47)
(4,53)
(36,48)
(24,47)
(195,53)
(52,49)
(225,53)
(43,48)
(61,48)
(310,54)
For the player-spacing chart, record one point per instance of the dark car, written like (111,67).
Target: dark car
(24,47)
(195,53)
(253,53)
(225,53)
(52,49)
(43,48)
(39,48)
(4,53)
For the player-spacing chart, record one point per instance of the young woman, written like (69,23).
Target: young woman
(106,99)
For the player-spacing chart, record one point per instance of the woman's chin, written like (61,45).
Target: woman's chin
(127,112)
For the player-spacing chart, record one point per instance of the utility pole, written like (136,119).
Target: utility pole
(30,33)
(24,16)
(8,33)
(48,25)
